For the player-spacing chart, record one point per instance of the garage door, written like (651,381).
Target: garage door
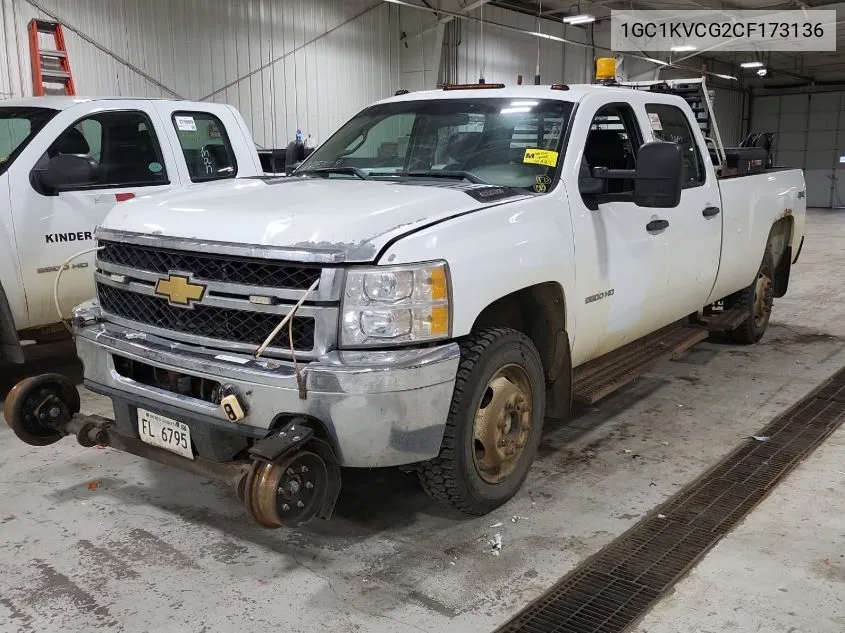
(810,135)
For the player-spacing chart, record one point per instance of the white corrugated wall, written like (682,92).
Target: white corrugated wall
(507,54)
(285,64)
(288,64)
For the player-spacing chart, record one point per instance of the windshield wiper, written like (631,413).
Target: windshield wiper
(437,173)
(350,171)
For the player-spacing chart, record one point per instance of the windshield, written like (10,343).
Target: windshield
(18,126)
(504,142)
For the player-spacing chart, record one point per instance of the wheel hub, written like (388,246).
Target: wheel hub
(502,424)
(36,407)
(763,295)
(289,492)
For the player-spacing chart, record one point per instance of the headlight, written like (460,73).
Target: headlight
(395,304)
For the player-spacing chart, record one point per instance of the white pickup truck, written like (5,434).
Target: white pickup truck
(64,164)
(448,270)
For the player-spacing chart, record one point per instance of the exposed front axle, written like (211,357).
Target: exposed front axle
(288,478)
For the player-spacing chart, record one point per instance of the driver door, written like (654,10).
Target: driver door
(621,274)
(51,227)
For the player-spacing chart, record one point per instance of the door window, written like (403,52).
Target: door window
(206,146)
(612,142)
(18,126)
(123,144)
(669,123)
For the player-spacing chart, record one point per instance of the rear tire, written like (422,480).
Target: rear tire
(757,299)
(494,423)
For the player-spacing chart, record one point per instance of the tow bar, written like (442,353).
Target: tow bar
(290,478)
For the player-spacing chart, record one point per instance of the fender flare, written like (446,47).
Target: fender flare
(10,346)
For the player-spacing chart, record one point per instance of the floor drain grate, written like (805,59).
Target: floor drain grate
(615,587)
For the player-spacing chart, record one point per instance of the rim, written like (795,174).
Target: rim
(762,299)
(502,424)
(289,492)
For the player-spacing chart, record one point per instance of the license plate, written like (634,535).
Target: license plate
(165,433)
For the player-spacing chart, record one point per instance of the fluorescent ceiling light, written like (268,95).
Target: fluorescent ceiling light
(731,77)
(752,64)
(581,18)
(684,48)
(518,104)
(514,110)
(546,36)
(660,62)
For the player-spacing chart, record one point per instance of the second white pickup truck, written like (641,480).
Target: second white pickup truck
(447,271)
(65,162)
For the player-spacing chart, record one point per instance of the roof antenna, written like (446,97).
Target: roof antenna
(481,74)
(539,31)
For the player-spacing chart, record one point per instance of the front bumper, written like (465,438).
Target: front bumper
(379,408)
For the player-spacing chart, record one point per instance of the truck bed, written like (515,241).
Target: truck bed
(751,204)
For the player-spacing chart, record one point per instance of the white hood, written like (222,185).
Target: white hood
(352,218)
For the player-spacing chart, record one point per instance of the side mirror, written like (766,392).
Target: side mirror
(659,175)
(657,178)
(66,171)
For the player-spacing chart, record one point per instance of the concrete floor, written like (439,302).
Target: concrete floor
(152,549)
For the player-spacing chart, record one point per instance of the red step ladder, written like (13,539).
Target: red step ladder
(50,66)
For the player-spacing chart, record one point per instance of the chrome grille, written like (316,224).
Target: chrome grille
(210,267)
(225,324)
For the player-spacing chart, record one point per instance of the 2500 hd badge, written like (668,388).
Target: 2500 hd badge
(599,296)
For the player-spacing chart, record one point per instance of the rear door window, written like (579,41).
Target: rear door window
(206,146)
(669,123)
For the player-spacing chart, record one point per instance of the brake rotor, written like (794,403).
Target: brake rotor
(35,402)
(287,493)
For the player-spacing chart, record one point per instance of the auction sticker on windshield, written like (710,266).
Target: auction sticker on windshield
(545,157)
(165,433)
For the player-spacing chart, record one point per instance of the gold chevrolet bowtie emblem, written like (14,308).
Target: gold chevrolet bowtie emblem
(179,290)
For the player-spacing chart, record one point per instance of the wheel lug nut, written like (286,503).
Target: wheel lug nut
(285,507)
(289,471)
(299,504)
(309,485)
(304,469)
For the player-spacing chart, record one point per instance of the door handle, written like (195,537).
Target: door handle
(656,225)
(709,212)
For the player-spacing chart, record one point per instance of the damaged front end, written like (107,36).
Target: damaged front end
(285,480)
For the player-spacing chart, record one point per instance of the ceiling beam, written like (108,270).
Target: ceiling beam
(591,46)
(442,21)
